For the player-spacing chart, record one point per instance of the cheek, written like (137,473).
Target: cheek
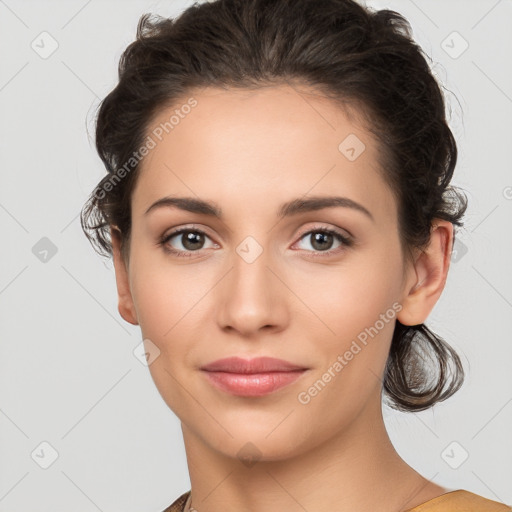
(356,308)
(353,359)
(167,300)
(172,301)
(160,297)
(349,298)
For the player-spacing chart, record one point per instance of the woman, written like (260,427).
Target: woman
(258,131)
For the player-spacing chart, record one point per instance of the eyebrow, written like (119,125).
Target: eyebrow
(294,207)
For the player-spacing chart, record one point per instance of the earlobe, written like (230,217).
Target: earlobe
(429,275)
(125,306)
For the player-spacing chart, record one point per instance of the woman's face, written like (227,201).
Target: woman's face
(253,283)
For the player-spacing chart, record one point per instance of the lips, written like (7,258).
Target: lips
(257,365)
(252,378)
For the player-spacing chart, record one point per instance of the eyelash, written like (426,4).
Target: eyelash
(346,241)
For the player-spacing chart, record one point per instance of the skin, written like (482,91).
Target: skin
(249,152)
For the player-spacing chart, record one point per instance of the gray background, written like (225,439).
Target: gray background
(68,375)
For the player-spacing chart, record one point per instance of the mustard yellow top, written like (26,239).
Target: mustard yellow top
(453,501)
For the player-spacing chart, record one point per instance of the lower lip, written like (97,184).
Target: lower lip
(254,384)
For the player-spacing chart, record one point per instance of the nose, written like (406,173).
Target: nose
(251,297)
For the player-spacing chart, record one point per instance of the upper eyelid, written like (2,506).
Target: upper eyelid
(342,232)
(180,229)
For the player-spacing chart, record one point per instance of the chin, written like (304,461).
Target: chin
(267,443)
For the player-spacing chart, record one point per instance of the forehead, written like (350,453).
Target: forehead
(247,147)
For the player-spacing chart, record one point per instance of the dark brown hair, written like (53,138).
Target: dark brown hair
(357,57)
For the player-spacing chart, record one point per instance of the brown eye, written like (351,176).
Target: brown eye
(322,240)
(192,240)
(187,240)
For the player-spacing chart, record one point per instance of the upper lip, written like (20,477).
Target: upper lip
(256,365)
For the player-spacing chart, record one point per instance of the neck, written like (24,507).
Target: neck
(357,469)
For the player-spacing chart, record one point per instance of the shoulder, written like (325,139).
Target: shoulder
(178,505)
(462,501)
(454,501)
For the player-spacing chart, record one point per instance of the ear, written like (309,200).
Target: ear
(125,306)
(428,276)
